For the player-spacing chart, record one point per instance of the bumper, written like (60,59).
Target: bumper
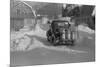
(65,42)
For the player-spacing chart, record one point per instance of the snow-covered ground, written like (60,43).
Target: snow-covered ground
(32,48)
(84,32)
(25,40)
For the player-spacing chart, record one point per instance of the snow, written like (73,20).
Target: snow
(85,29)
(20,41)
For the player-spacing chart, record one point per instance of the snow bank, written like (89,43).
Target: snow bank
(20,41)
(84,32)
(85,29)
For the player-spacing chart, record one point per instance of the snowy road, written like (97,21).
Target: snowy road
(34,48)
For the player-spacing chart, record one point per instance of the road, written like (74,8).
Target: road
(41,51)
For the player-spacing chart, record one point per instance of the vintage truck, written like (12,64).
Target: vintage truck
(61,32)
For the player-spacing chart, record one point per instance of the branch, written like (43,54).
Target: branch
(33,11)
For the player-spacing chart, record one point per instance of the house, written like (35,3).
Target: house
(20,15)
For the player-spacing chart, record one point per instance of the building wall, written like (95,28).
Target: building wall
(29,21)
(16,24)
(20,10)
(20,14)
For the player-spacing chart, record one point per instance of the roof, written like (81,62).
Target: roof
(62,19)
(20,10)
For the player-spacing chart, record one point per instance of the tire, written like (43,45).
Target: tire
(48,34)
(55,43)
(50,39)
